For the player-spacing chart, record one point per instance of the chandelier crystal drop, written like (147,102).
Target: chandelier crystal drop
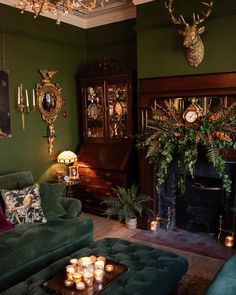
(57,7)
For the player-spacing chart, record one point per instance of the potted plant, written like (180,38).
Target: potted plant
(126,204)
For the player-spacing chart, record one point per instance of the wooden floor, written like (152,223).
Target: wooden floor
(201,266)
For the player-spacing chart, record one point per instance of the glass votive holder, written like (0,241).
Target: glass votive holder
(109,268)
(88,278)
(99,264)
(229,241)
(80,286)
(70,270)
(98,275)
(77,277)
(68,283)
(85,264)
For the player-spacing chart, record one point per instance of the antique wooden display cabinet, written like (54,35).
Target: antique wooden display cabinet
(106,154)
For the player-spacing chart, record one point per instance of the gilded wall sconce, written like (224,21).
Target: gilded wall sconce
(49,103)
(23,103)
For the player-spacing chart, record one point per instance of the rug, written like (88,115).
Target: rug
(192,285)
(203,244)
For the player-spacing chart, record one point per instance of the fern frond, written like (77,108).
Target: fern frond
(212,153)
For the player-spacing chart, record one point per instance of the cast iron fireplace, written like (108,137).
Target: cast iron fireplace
(199,208)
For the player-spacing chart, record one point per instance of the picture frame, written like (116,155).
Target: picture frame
(73,172)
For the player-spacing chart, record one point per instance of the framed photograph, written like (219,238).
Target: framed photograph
(74,172)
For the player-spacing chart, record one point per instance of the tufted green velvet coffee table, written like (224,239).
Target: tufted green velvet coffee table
(152,271)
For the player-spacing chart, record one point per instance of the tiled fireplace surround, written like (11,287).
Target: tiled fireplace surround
(198,209)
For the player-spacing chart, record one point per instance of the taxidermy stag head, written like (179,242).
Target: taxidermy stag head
(191,33)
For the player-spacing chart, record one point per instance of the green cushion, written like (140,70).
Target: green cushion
(72,207)
(152,271)
(51,196)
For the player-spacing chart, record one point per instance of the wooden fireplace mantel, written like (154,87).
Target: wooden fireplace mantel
(213,84)
(189,85)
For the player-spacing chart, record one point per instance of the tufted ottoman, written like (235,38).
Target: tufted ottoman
(152,271)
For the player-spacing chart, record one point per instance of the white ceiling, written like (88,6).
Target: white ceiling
(113,11)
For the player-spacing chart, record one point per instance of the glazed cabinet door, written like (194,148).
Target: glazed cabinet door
(118,97)
(94,110)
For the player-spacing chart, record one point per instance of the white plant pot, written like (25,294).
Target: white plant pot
(131,223)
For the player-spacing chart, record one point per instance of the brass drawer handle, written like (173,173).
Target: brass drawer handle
(87,180)
(107,174)
(108,183)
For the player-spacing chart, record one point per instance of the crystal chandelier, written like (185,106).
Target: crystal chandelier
(56,7)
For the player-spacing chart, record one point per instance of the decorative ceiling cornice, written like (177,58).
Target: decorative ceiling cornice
(111,13)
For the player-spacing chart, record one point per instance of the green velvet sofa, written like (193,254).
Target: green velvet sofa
(224,282)
(27,248)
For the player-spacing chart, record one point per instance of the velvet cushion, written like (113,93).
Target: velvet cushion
(51,196)
(23,206)
(4,223)
(16,180)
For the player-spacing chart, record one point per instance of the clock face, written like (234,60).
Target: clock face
(191,116)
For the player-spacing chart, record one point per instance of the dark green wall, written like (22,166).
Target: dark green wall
(159,47)
(31,45)
(117,40)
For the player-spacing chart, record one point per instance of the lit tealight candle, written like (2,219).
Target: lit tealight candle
(88,278)
(70,270)
(68,283)
(93,257)
(153,225)
(80,286)
(77,277)
(99,274)
(229,241)
(73,261)
(99,264)
(109,268)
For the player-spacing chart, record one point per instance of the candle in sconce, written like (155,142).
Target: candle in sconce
(33,98)
(229,241)
(18,95)
(27,97)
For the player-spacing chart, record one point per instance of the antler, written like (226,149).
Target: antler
(197,20)
(176,21)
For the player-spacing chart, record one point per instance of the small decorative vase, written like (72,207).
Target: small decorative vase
(131,223)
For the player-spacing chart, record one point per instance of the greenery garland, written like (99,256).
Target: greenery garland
(169,138)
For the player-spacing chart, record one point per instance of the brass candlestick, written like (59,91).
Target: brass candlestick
(221,229)
(167,220)
(23,104)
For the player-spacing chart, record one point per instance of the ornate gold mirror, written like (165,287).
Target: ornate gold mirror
(49,103)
